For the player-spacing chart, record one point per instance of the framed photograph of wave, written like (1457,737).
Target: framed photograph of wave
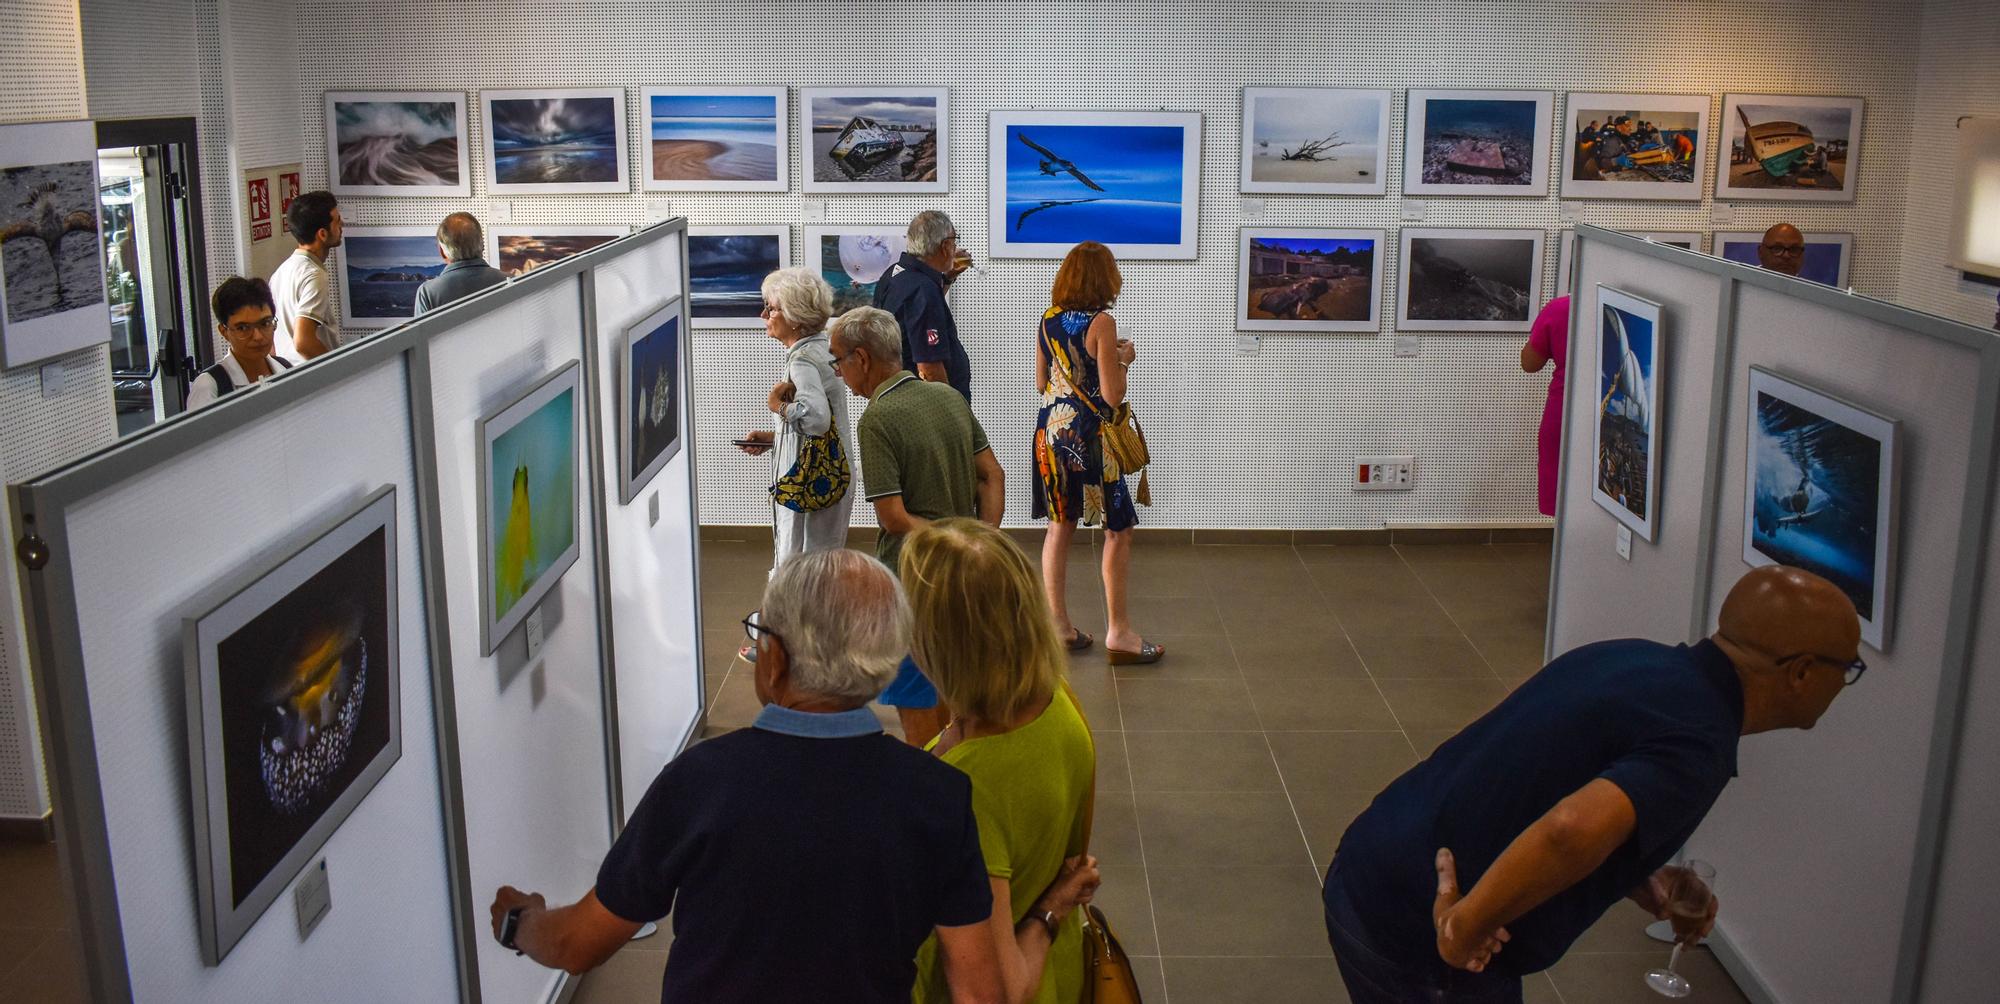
(716,139)
(397,143)
(1128,180)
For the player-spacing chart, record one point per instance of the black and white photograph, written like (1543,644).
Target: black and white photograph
(1469,280)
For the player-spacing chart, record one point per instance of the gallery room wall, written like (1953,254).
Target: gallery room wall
(1957,75)
(1260,440)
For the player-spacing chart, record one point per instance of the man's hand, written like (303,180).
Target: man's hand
(1460,948)
(762,436)
(507,899)
(932,373)
(782,395)
(1654,894)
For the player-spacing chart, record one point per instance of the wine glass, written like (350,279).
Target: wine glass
(1690,893)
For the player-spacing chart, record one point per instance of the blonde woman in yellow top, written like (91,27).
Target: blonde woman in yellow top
(986,640)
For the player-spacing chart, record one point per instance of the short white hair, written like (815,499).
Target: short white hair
(874,329)
(928,232)
(801,295)
(843,620)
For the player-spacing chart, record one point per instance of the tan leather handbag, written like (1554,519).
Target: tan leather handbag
(1118,434)
(1107,970)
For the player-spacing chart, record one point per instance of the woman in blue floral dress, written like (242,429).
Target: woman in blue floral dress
(1081,364)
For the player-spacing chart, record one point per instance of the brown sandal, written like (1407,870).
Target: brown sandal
(1148,654)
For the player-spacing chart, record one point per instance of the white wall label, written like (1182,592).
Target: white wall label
(502,209)
(533,624)
(1253,209)
(814,210)
(312,898)
(653,509)
(659,210)
(1247,345)
(1414,209)
(1625,542)
(1407,346)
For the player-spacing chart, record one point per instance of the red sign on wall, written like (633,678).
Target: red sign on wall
(288,189)
(260,208)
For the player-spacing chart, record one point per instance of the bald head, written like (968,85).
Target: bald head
(1783,249)
(1791,635)
(461,237)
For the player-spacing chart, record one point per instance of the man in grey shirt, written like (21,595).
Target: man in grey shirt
(462,244)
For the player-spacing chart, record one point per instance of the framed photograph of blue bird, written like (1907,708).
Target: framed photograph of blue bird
(1128,180)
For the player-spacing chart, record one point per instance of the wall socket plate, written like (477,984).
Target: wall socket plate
(1385,473)
(534,631)
(1625,542)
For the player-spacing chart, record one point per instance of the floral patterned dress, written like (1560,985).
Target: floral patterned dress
(1076,479)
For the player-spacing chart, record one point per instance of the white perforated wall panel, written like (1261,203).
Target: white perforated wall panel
(1956,75)
(386,863)
(1240,441)
(139,56)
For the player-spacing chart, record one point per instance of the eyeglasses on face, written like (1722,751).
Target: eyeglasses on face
(768,311)
(1788,250)
(1853,670)
(265,326)
(842,358)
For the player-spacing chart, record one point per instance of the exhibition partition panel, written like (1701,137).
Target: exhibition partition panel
(505,768)
(1827,838)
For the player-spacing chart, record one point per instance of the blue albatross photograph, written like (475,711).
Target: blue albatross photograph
(1113,184)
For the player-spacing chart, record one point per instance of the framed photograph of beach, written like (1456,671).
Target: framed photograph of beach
(1788,146)
(1477,142)
(716,139)
(1309,280)
(726,270)
(397,143)
(1626,482)
(518,250)
(1129,180)
(380,270)
(555,142)
(852,260)
(875,139)
(1462,279)
(1634,146)
(1827,257)
(1314,141)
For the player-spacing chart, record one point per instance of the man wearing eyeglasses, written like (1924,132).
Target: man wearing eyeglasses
(1573,793)
(245,317)
(1783,249)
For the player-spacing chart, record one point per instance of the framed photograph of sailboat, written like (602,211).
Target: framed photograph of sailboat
(1789,147)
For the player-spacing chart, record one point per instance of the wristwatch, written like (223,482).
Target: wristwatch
(510,925)
(1048,919)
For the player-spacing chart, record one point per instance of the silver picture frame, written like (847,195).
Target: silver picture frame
(669,321)
(494,624)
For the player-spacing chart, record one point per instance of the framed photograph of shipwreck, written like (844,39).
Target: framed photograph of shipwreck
(1314,141)
(1460,279)
(1477,142)
(875,139)
(1785,146)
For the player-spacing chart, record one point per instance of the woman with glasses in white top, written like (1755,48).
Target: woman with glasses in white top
(245,316)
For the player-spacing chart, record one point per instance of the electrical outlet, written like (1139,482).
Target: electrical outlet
(1625,542)
(1385,474)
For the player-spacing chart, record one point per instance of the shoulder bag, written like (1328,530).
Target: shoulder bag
(819,479)
(1118,433)
(1107,970)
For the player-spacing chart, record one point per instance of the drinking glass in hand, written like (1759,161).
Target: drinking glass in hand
(1690,904)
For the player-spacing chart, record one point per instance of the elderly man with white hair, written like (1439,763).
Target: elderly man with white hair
(808,856)
(810,501)
(913,290)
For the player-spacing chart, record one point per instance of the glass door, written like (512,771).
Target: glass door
(153,266)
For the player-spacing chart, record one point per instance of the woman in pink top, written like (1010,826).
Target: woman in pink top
(1549,339)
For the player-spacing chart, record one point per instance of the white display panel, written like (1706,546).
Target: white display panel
(657,634)
(530,729)
(256,487)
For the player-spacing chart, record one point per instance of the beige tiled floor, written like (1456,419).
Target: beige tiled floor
(1299,681)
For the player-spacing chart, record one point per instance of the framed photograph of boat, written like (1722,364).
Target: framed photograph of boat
(1309,280)
(555,141)
(1827,256)
(726,270)
(716,139)
(1788,146)
(397,143)
(1128,180)
(1461,279)
(1627,469)
(1634,146)
(1314,141)
(1477,142)
(875,139)
(1820,493)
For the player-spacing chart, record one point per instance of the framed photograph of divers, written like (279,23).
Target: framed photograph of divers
(649,397)
(726,270)
(528,484)
(858,140)
(1314,141)
(52,294)
(397,143)
(555,142)
(1476,142)
(1634,146)
(1820,493)
(1788,146)
(1129,180)
(1626,474)
(294,712)
(1309,280)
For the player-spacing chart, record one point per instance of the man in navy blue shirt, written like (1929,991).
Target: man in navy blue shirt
(913,290)
(1573,793)
(806,857)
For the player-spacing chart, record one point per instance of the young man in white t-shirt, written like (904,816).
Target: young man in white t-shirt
(305,315)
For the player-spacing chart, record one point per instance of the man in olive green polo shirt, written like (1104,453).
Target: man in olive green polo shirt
(923,457)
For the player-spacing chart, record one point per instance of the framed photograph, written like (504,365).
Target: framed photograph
(397,143)
(1314,141)
(1820,493)
(1827,255)
(876,139)
(518,250)
(1129,180)
(1477,142)
(1788,146)
(716,139)
(726,270)
(528,485)
(380,270)
(52,241)
(649,398)
(1469,280)
(1627,476)
(294,705)
(1689,240)
(852,260)
(1309,280)
(554,142)
(1634,146)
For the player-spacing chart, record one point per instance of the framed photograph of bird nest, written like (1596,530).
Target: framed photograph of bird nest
(294,711)
(649,397)
(1626,469)
(1129,180)
(528,485)
(1314,141)
(1820,492)
(52,296)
